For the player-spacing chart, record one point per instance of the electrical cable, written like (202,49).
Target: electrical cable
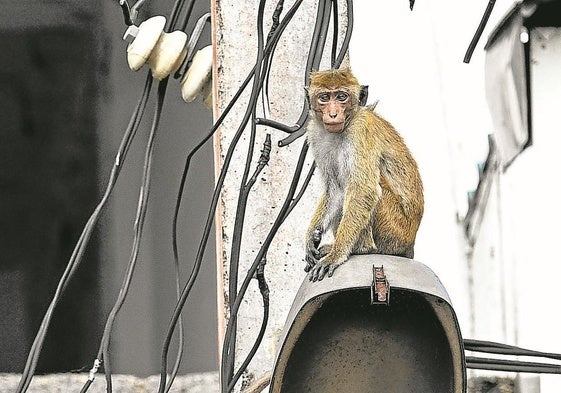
(318,42)
(140,217)
(335,37)
(297,131)
(198,260)
(236,246)
(264,247)
(237,238)
(126,12)
(228,362)
(264,290)
(245,186)
(479,31)
(512,365)
(229,350)
(79,249)
(504,349)
(305,185)
(508,365)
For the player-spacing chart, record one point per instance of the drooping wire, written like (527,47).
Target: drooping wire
(228,350)
(245,187)
(142,208)
(103,352)
(264,290)
(238,227)
(314,58)
(479,31)
(297,131)
(262,253)
(79,249)
(212,209)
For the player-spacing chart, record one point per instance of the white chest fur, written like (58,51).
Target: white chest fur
(334,156)
(333,153)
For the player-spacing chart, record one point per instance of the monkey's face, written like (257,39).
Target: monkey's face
(333,108)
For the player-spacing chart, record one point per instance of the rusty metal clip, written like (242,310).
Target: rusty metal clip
(380,289)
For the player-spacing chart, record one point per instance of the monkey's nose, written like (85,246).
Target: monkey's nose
(333,115)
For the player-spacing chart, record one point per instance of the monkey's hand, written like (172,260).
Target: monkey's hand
(327,265)
(313,254)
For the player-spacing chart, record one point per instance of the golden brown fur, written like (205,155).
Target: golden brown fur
(373,201)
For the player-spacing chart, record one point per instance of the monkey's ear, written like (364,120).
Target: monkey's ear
(363,96)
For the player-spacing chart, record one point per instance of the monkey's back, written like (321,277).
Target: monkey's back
(399,212)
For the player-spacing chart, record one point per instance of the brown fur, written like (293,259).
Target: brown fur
(374,194)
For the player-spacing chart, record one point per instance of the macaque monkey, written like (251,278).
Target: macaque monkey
(373,200)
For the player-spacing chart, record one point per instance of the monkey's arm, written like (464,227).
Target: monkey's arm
(360,202)
(314,234)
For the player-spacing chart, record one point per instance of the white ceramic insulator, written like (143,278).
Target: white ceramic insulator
(168,54)
(198,74)
(149,31)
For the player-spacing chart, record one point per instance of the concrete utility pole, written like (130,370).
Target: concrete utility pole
(235,43)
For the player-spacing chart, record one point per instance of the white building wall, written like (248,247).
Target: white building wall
(413,63)
(529,232)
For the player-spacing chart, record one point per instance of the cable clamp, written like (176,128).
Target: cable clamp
(93,371)
(380,289)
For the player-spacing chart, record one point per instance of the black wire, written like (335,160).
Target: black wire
(171,23)
(142,208)
(264,290)
(187,16)
(479,31)
(188,286)
(312,62)
(237,239)
(318,42)
(86,386)
(335,32)
(298,130)
(79,249)
(305,185)
(512,365)
(504,349)
(126,12)
(265,246)
(245,186)
(228,361)
(236,245)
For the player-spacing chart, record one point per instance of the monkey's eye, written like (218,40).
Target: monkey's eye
(342,96)
(324,97)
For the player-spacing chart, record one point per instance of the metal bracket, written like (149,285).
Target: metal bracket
(380,289)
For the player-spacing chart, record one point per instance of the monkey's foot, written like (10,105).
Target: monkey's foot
(313,256)
(325,266)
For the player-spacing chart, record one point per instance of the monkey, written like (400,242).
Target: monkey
(373,200)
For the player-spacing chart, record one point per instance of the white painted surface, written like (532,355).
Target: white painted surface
(235,35)
(413,64)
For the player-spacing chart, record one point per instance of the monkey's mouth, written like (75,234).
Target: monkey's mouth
(334,126)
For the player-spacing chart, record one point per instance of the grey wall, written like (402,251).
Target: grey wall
(90,107)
